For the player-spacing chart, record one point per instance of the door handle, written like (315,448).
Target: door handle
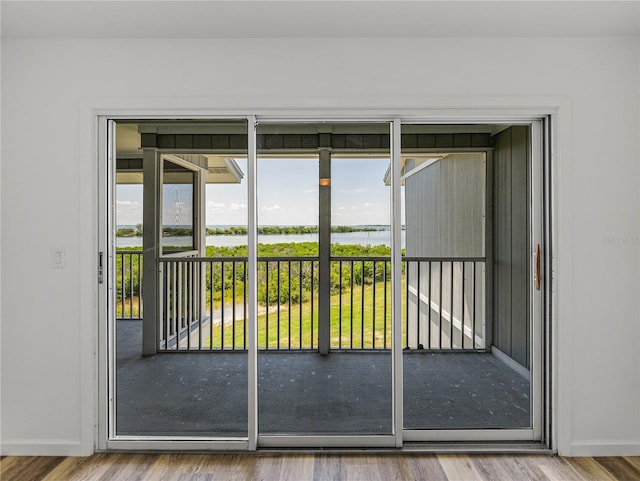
(538,271)
(100,268)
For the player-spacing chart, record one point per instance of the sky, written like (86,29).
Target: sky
(287,195)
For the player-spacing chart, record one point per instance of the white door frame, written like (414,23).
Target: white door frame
(396,116)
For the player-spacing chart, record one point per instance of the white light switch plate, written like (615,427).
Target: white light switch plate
(57,258)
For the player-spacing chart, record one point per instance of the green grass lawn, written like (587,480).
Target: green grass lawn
(128,308)
(296,329)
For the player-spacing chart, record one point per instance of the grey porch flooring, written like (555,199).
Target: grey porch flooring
(199,394)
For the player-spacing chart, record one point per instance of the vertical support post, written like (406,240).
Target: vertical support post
(487,284)
(200,224)
(151,249)
(252,281)
(324,251)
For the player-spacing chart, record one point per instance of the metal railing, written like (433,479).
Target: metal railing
(200,308)
(287,303)
(361,317)
(444,303)
(128,277)
(204,302)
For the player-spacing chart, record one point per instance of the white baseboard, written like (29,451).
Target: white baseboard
(604,448)
(515,365)
(41,447)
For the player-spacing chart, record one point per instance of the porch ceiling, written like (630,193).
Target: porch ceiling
(223,169)
(284,140)
(128,137)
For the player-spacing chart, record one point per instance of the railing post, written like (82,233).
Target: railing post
(151,238)
(324,251)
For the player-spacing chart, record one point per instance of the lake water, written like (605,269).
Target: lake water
(363,238)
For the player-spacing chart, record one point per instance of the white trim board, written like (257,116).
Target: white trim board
(421,167)
(446,315)
(516,366)
(621,447)
(412,109)
(41,447)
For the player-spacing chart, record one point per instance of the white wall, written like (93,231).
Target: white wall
(49,197)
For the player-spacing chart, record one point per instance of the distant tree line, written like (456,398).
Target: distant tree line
(130,231)
(166,231)
(242,230)
(177,231)
(286,230)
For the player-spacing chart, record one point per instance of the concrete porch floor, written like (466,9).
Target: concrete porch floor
(205,394)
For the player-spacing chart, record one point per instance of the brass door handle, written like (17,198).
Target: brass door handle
(538,273)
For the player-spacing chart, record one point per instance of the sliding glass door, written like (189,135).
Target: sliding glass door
(323,283)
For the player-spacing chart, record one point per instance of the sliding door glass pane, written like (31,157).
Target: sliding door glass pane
(324,273)
(454,376)
(196,385)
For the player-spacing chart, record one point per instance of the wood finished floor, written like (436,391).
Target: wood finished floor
(318,467)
